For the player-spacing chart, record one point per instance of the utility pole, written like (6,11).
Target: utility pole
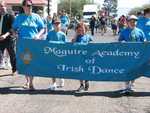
(48,5)
(70,5)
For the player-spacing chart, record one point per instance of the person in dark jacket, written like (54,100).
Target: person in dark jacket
(7,41)
(92,25)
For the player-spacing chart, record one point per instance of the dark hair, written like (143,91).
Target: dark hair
(139,13)
(63,11)
(147,10)
(24,2)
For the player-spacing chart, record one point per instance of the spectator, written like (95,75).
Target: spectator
(7,41)
(122,23)
(92,25)
(64,21)
(144,23)
(114,26)
(103,21)
(49,23)
(40,13)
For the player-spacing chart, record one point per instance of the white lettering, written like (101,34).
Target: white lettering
(117,53)
(99,70)
(62,53)
(66,68)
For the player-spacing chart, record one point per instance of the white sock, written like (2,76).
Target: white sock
(62,82)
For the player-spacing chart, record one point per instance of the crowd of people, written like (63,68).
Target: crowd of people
(29,25)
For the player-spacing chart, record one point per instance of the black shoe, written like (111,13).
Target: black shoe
(127,91)
(80,89)
(86,86)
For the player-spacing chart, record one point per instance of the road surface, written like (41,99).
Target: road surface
(102,97)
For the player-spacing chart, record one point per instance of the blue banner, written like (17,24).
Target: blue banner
(94,61)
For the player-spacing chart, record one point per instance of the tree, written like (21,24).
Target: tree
(146,6)
(111,7)
(136,10)
(76,6)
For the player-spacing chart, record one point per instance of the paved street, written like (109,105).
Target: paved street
(102,97)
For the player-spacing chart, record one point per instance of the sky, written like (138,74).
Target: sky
(124,6)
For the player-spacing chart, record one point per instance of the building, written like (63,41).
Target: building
(15,5)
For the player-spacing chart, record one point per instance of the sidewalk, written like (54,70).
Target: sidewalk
(4,72)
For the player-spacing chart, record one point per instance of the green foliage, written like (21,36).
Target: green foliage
(76,6)
(110,6)
(146,6)
(135,10)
